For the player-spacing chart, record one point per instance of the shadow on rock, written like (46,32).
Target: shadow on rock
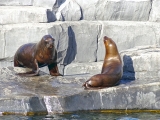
(50,16)
(37,104)
(128,70)
(72,47)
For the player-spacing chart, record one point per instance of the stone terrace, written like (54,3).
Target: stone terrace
(78,27)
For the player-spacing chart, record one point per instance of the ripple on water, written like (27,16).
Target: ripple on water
(87,116)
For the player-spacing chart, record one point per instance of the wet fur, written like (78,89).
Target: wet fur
(111,70)
(36,55)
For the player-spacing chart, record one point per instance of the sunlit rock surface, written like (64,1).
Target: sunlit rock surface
(15,2)
(22,14)
(155,14)
(69,11)
(75,10)
(50,94)
(138,89)
(142,62)
(115,9)
(79,42)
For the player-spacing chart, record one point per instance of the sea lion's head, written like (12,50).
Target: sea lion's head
(48,41)
(110,46)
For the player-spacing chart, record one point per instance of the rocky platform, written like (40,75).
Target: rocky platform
(79,27)
(49,94)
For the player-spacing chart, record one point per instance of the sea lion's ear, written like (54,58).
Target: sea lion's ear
(51,36)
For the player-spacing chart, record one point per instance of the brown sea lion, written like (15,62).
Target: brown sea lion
(36,55)
(111,70)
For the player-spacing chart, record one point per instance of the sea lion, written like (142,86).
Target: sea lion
(111,70)
(36,55)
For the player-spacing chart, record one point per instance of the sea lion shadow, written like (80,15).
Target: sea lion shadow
(128,70)
(72,47)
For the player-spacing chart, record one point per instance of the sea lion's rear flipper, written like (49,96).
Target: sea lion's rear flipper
(88,87)
(17,64)
(34,72)
(53,69)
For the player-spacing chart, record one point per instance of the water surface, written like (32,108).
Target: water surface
(87,116)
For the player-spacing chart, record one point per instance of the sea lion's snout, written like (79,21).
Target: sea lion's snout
(51,46)
(49,43)
(105,39)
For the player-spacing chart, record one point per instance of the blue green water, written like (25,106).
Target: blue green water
(87,116)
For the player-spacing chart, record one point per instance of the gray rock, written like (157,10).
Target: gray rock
(51,16)
(19,34)
(57,4)
(4,62)
(2,42)
(69,11)
(85,37)
(15,2)
(22,14)
(88,9)
(83,68)
(60,31)
(141,63)
(131,10)
(48,94)
(128,35)
(48,4)
(79,45)
(80,41)
(155,14)
(73,40)
(44,3)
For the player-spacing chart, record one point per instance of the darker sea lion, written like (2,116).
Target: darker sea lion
(111,70)
(36,55)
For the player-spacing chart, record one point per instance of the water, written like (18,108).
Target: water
(87,116)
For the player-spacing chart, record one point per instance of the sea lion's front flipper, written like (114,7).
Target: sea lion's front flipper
(53,69)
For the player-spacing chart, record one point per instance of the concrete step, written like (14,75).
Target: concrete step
(15,2)
(140,63)
(116,10)
(132,10)
(22,14)
(80,41)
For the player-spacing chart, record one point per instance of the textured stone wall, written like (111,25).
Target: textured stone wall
(75,10)
(78,27)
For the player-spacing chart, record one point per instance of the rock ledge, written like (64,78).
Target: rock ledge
(49,94)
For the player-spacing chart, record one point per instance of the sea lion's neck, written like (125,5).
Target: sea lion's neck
(112,54)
